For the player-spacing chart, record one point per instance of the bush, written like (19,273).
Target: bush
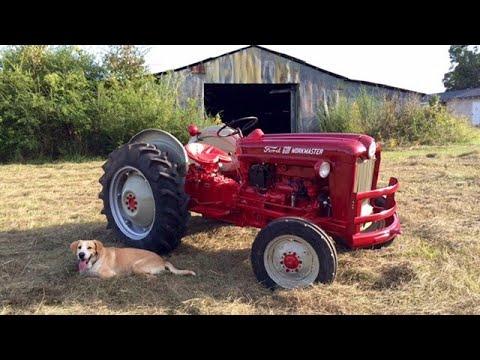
(122,109)
(60,102)
(395,121)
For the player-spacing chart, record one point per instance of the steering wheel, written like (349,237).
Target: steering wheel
(252,121)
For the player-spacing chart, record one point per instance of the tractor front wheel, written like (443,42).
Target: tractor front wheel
(380,225)
(144,198)
(291,253)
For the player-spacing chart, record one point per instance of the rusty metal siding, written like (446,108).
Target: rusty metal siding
(257,66)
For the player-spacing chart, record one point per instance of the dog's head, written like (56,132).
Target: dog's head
(87,252)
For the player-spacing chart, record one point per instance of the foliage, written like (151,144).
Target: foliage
(60,101)
(395,121)
(465,68)
(124,62)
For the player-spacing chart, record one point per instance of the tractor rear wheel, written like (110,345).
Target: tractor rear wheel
(144,198)
(292,252)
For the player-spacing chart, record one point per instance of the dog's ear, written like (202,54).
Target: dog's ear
(98,246)
(73,246)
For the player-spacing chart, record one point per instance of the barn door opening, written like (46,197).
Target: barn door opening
(273,104)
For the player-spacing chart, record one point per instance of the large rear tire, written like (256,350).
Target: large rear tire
(144,198)
(293,252)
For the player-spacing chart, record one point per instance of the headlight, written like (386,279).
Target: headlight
(324,170)
(372,149)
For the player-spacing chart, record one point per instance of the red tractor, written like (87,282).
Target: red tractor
(301,190)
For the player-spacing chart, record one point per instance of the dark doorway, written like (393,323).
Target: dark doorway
(273,104)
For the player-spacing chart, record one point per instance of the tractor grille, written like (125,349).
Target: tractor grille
(365,169)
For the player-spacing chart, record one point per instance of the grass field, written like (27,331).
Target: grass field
(433,268)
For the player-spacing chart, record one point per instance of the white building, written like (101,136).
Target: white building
(463,102)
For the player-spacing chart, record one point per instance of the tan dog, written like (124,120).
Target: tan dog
(105,262)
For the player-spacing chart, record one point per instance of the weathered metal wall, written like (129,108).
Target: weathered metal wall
(469,108)
(257,66)
(461,107)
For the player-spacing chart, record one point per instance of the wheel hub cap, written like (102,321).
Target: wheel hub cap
(291,261)
(138,202)
(132,203)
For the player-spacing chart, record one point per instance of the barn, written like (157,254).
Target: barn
(462,102)
(285,93)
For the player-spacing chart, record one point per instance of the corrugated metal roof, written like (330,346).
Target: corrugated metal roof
(459,94)
(300,62)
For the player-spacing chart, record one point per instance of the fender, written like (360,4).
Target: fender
(165,141)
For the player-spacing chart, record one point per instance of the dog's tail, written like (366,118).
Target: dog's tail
(174,270)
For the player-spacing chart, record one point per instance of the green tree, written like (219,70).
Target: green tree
(125,62)
(45,92)
(59,101)
(465,68)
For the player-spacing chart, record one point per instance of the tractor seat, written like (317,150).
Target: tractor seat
(206,154)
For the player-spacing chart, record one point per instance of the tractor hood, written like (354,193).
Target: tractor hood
(307,145)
